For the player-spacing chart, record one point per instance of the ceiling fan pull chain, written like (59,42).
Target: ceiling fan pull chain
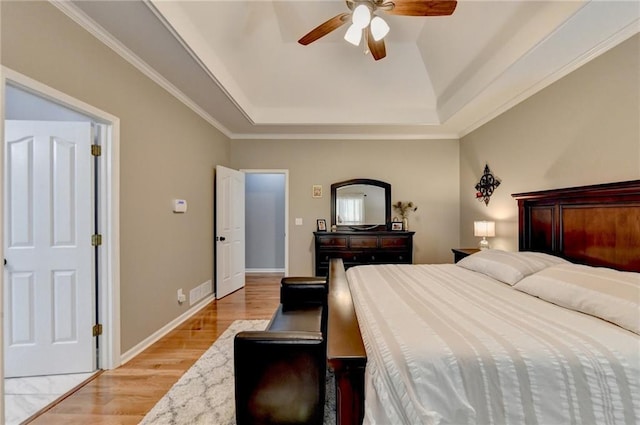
(366,42)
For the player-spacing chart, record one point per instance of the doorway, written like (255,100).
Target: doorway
(266,221)
(25,100)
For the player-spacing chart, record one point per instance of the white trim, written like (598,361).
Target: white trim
(466,127)
(2,85)
(81,18)
(286,209)
(157,335)
(110,258)
(257,271)
(95,29)
(345,136)
(180,39)
(109,272)
(619,37)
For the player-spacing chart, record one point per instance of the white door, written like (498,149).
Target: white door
(229,231)
(48,278)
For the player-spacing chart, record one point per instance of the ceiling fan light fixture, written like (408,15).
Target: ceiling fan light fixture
(353,35)
(361,16)
(379,28)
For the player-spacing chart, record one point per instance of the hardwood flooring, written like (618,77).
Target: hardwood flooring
(123,396)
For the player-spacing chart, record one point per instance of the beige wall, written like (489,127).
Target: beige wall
(584,129)
(425,172)
(166,152)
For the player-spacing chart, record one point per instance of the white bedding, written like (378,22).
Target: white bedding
(447,345)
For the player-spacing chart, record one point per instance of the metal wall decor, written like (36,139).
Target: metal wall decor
(487,184)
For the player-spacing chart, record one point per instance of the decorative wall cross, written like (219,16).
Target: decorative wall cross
(487,184)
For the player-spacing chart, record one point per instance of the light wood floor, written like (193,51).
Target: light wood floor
(125,395)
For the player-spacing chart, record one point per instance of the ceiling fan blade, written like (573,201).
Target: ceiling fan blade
(377,49)
(423,7)
(324,28)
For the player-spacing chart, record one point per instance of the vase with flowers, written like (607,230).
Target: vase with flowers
(404,209)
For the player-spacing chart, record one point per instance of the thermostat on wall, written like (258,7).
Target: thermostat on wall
(179,206)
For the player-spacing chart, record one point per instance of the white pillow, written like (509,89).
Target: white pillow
(608,294)
(508,267)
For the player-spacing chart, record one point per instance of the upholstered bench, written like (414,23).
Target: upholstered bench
(280,373)
(297,291)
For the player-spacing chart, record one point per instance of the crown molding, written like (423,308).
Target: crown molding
(338,136)
(463,126)
(95,29)
(81,18)
(619,37)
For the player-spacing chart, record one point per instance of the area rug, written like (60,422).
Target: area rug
(205,393)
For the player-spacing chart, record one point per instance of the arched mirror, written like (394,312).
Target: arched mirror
(361,204)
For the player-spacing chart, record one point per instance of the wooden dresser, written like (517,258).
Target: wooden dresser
(362,247)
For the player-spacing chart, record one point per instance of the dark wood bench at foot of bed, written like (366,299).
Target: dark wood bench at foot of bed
(346,356)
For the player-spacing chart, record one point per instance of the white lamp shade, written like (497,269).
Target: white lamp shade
(379,28)
(361,16)
(353,35)
(484,228)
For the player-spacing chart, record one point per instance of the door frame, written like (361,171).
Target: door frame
(286,208)
(109,217)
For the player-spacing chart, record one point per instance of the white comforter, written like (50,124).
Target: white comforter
(447,345)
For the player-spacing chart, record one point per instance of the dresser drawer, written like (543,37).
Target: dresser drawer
(324,256)
(332,241)
(347,256)
(397,257)
(362,247)
(394,242)
(322,270)
(364,242)
(364,257)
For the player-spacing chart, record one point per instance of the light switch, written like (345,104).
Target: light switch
(298,221)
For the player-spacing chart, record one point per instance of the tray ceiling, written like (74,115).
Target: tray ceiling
(238,64)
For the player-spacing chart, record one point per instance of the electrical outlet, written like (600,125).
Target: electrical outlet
(181,296)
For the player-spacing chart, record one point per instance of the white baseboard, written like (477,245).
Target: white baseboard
(249,271)
(151,339)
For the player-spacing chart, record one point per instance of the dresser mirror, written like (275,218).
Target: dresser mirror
(361,204)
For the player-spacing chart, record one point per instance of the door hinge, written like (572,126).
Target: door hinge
(96,150)
(96,240)
(97,329)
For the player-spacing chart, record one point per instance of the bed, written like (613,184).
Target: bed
(535,337)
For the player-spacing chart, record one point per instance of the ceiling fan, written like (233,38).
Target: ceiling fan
(366,23)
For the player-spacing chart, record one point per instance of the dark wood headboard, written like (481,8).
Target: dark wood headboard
(597,225)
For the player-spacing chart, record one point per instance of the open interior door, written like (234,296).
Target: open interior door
(48,274)
(229,229)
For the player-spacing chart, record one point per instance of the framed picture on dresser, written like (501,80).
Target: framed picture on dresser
(322,225)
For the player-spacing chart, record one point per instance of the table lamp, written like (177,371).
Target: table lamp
(484,229)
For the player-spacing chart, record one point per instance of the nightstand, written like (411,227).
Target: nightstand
(460,253)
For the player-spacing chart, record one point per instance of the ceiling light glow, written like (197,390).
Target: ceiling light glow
(361,16)
(379,28)
(353,35)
